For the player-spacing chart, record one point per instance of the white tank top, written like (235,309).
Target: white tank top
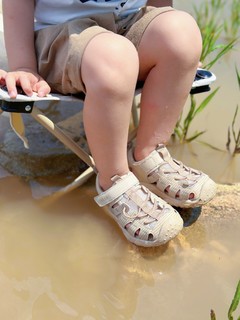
(50,12)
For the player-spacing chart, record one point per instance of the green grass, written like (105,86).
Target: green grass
(233,306)
(232,26)
(183,126)
(208,16)
(232,131)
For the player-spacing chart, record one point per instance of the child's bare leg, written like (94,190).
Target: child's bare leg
(109,70)
(169,53)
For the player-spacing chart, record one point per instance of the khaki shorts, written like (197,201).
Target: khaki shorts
(60,47)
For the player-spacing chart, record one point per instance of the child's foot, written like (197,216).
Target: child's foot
(174,182)
(145,219)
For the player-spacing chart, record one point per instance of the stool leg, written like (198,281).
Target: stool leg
(59,134)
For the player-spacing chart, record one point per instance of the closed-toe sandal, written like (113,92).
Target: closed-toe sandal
(174,182)
(145,219)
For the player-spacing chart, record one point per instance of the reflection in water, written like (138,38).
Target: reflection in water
(68,260)
(26,293)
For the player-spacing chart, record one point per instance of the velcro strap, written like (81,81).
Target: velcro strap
(151,162)
(116,190)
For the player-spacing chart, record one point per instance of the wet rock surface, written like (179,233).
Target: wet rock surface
(46,154)
(225,205)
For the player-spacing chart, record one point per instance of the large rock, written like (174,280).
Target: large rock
(46,154)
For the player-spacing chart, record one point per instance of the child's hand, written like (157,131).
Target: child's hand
(29,81)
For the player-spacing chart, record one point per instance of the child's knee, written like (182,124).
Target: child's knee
(185,36)
(110,63)
(173,36)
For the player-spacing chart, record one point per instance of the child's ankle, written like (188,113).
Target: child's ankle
(106,182)
(139,155)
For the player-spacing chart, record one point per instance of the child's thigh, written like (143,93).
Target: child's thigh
(59,52)
(137,30)
(172,36)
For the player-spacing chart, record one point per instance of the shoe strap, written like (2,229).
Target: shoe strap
(150,163)
(116,190)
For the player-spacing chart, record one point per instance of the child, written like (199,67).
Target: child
(102,48)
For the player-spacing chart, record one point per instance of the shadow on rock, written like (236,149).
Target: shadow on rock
(189,215)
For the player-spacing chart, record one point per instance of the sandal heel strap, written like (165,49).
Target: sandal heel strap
(116,190)
(149,163)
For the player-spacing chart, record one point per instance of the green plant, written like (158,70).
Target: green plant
(233,306)
(231,130)
(232,26)
(209,19)
(238,76)
(211,25)
(182,127)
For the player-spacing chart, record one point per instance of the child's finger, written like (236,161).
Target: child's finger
(42,88)
(11,85)
(25,83)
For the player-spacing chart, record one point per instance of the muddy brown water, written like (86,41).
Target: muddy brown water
(67,260)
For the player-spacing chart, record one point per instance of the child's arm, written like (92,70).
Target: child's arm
(18,17)
(160,3)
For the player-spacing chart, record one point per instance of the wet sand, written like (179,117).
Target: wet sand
(226,204)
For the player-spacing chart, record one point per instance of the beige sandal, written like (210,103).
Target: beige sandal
(145,219)
(174,182)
